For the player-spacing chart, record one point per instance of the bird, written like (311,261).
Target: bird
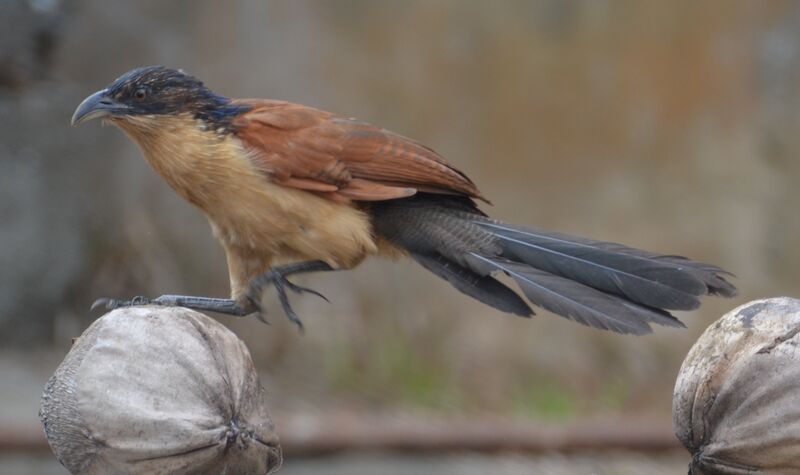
(289,189)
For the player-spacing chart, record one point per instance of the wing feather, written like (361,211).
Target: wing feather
(309,149)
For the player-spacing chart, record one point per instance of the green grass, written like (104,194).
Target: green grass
(545,399)
(397,370)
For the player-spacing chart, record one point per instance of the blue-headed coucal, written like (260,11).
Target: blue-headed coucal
(282,182)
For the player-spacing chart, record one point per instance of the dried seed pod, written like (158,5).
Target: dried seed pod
(159,390)
(736,405)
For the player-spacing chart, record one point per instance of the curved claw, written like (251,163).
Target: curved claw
(260,316)
(111,304)
(108,303)
(298,289)
(255,298)
(289,311)
(280,283)
(138,300)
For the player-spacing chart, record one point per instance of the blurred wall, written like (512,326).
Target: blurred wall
(671,126)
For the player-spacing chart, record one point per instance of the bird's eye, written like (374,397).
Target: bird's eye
(140,94)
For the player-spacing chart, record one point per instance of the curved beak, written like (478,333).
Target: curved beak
(97,105)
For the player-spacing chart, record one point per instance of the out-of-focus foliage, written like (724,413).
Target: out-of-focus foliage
(671,126)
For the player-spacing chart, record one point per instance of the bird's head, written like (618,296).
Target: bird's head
(146,95)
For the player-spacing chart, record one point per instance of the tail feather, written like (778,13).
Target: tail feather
(642,277)
(711,275)
(576,301)
(596,283)
(483,288)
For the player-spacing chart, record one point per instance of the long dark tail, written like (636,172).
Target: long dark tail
(600,284)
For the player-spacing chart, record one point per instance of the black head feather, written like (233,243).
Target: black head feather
(156,90)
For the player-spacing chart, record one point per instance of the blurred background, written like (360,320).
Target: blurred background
(669,126)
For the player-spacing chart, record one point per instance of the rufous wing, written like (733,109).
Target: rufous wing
(309,149)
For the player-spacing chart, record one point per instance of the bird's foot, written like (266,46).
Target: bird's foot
(111,304)
(277,278)
(225,306)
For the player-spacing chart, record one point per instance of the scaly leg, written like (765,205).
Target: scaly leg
(277,276)
(226,306)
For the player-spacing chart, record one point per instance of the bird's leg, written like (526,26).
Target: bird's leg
(277,276)
(226,306)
